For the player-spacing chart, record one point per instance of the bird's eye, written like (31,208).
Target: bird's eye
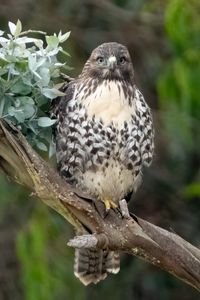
(122,60)
(100,60)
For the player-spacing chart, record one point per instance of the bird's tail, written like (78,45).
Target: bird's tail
(92,266)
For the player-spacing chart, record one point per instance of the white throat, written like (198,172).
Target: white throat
(108,103)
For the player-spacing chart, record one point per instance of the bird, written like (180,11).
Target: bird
(104,138)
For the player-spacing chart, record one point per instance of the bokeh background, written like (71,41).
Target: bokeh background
(164,41)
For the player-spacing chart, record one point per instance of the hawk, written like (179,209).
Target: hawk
(104,138)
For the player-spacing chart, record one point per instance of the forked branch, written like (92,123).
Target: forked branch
(132,235)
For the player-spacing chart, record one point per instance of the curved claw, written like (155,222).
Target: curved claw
(109,204)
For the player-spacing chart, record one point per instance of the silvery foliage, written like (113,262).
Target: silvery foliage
(29,69)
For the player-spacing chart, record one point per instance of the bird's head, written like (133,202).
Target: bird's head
(110,61)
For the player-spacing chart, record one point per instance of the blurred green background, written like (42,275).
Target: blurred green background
(164,41)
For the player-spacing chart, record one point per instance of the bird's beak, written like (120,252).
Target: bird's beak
(112,62)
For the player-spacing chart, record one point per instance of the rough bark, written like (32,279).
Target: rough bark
(133,235)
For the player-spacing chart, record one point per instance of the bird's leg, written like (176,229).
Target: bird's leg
(104,206)
(124,209)
(109,204)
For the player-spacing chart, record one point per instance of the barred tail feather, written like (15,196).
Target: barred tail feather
(92,266)
(113,262)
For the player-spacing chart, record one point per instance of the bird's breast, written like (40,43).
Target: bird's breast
(112,182)
(108,103)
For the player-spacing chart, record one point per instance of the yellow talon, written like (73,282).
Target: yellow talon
(109,204)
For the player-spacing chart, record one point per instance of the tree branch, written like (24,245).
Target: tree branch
(133,235)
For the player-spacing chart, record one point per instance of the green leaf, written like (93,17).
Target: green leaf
(52,41)
(38,43)
(42,100)
(20,88)
(45,76)
(63,37)
(21,112)
(32,62)
(11,111)
(52,93)
(33,126)
(12,28)
(15,30)
(45,122)
(26,100)
(19,115)
(18,28)
(41,146)
(28,111)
